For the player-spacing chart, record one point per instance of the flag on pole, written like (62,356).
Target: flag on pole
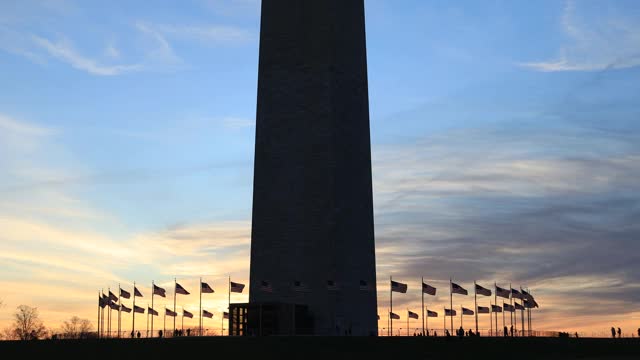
(266,286)
(496,308)
(157,290)
(187,314)
(125,309)
(394,316)
(508,307)
(518,306)
(483,310)
(137,292)
(124,294)
(466,311)
(398,287)
(181,290)
(225,315)
(102,300)
(113,306)
(516,294)
(112,296)
(236,287)
(428,289)
(169,312)
(205,288)
(482,291)
(526,295)
(332,286)
(449,312)
(299,286)
(151,311)
(138,309)
(503,293)
(432,313)
(412,315)
(457,289)
(530,304)
(207,314)
(364,286)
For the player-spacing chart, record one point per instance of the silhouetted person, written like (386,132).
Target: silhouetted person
(619,333)
(160,333)
(132,334)
(461,332)
(613,332)
(138,334)
(470,333)
(446,332)
(511,330)
(576,334)
(188,332)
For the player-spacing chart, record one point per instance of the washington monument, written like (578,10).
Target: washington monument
(312,236)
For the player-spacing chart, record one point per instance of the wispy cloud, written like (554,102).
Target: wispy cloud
(208,34)
(612,42)
(64,51)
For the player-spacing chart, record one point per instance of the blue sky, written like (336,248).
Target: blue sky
(504,135)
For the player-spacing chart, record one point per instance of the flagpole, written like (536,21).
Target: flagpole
(495,300)
(461,315)
(153,292)
(119,307)
(133,325)
(490,318)
(407,322)
(503,325)
(200,311)
(102,320)
(175,287)
(99,301)
(422,286)
(427,321)
(451,302)
(522,311)
(475,299)
(109,315)
(164,325)
(511,303)
(182,327)
(444,320)
(390,306)
(148,319)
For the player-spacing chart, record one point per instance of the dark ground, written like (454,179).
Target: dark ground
(325,347)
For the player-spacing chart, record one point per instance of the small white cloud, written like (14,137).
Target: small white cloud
(63,51)
(237,123)
(112,52)
(606,43)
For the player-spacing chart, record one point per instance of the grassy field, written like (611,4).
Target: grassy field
(326,347)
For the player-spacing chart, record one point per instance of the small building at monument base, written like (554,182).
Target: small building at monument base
(268,319)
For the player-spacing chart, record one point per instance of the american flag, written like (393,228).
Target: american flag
(432,313)
(428,289)
(332,286)
(518,306)
(394,316)
(503,293)
(508,307)
(398,287)
(266,286)
(457,289)
(205,288)
(516,294)
(187,314)
(138,309)
(125,309)
(102,301)
(225,315)
(207,314)
(157,290)
(484,310)
(181,290)
(299,286)
(482,291)
(450,312)
(466,311)
(496,308)
(364,286)
(124,294)
(236,287)
(113,306)
(530,304)
(169,312)
(151,311)
(112,296)
(136,292)
(412,315)
(526,295)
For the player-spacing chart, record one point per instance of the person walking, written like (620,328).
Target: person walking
(613,332)
(619,333)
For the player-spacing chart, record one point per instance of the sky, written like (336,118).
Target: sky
(505,148)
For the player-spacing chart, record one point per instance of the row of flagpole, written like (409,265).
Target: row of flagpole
(110,301)
(527,303)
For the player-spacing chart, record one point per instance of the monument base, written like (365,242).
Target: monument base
(267,319)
